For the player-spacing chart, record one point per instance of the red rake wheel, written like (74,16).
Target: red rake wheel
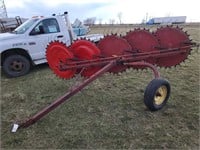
(141,40)
(57,54)
(170,37)
(87,43)
(86,50)
(112,46)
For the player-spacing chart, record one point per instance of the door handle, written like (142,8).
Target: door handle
(60,36)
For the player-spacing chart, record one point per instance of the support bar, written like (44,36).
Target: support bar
(145,64)
(64,98)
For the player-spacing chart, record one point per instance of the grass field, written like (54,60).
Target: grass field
(109,113)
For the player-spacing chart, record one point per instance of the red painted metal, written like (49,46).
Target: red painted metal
(141,41)
(146,65)
(66,96)
(113,46)
(116,55)
(86,51)
(78,88)
(125,58)
(83,42)
(57,54)
(171,38)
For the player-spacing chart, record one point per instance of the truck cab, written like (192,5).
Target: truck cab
(26,45)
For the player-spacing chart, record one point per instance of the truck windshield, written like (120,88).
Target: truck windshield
(25,26)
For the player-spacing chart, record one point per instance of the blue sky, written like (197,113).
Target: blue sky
(133,11)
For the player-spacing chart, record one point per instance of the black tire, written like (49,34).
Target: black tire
(16,65)
(156,94)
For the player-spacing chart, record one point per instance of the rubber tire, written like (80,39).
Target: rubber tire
(151,91)
(9,59)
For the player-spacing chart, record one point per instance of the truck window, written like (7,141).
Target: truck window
(46,26)
(25,26)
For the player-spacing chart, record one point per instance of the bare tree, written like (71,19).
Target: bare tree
(89,21)
(119,15)
(100,21)
(112,21)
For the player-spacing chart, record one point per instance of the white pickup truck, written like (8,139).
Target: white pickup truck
(26,45)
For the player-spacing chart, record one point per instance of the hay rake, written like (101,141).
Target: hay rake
(167,46)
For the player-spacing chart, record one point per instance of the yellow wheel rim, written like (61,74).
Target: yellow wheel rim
(160,95)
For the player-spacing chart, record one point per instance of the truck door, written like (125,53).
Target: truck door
(44,32)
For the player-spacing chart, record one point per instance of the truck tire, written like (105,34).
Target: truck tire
(156,94)
(16,65)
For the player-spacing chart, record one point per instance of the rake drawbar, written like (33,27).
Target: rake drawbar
(74,90)
(62,99)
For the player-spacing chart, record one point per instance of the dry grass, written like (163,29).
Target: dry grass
(108,114)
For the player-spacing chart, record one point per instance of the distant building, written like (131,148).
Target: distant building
(167,20)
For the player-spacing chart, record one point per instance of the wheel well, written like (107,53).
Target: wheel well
(15,52)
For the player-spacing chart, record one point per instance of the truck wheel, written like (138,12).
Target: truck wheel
(16,65)
(156,94)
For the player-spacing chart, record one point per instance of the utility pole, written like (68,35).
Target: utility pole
(3,12)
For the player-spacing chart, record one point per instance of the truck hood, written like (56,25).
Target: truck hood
(8,36)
